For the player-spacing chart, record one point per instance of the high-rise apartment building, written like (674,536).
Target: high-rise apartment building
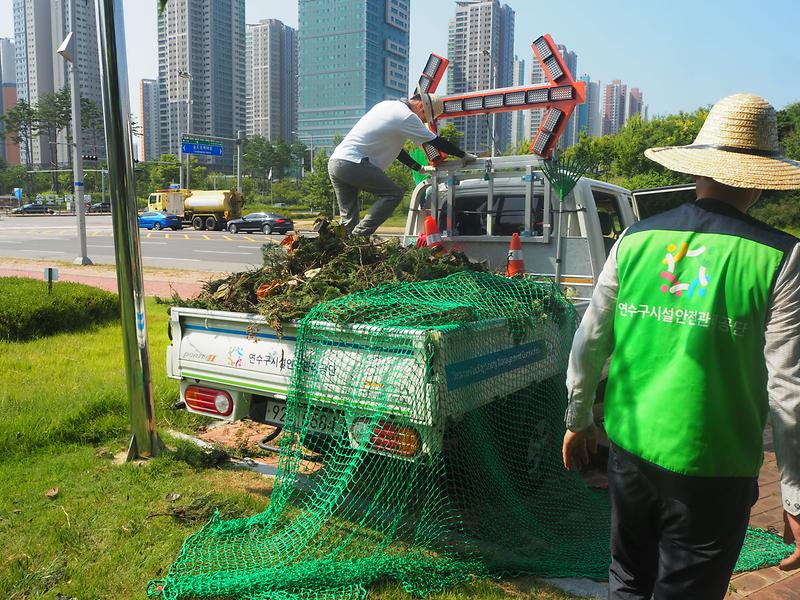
(570,59)
(39,28)
(201,47)
(587,115)
(9,151)
(635,103)
(520,127)
(271,80)
(352,55)
(481,52)
(613,107)
(149,142)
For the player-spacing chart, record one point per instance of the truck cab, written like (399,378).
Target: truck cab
(479,207)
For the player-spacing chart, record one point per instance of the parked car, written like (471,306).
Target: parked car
(33,209)
(266,222)
(159,220)
(100,207)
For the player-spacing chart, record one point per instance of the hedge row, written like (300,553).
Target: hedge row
(27,311)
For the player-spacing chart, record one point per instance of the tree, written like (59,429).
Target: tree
(54,114)
(319,194)
(282,158)
(257,159)
(165,172)
(20,124)
(91,121)
(451,133)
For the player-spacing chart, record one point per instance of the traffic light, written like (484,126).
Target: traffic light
(92,157)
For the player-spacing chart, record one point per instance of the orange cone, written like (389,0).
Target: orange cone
(432,235)
(516,263)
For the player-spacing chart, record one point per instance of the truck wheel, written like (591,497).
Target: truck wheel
(198,223)
(211,224)
(267,229)
(157,226)
(233,228)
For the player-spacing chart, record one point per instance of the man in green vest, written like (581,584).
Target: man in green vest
(700,308)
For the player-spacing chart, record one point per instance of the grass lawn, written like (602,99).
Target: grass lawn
(73,524)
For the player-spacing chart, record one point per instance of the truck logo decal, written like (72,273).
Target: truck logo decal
(199,356)
(480,368)
(235,354)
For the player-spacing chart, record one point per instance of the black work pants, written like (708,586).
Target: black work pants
(673,537)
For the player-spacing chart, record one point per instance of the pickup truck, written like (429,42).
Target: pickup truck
(233,366)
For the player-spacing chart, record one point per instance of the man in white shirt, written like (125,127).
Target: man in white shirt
(359,161)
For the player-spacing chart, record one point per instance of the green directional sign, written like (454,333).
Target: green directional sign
(201,146)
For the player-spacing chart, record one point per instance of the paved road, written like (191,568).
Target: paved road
(56,238)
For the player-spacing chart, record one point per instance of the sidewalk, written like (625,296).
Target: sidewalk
(157,282)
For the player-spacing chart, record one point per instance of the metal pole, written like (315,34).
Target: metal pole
(239,152)
(188,130)
(102,186)
(180,150)
(116,108)
(77,161)
(312,152)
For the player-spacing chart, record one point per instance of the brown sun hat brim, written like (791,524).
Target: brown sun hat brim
(730,168)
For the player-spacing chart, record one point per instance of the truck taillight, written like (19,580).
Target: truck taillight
(208,400)
(387,436)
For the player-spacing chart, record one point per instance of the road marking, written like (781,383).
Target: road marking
(166,236)
(170,258)
(163,243)
(96,246)
(185,236)
(8,242)
(221,252)
(44,251)
(249,239)
(149,234)
(205,237)
(249,247)
(230,239)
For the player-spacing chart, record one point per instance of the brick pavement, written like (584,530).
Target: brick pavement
(185,284)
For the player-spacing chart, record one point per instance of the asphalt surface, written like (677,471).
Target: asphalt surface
(56,238)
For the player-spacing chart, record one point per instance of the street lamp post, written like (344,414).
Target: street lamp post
(188,77)
(311,137)
(68,53)
(493,85)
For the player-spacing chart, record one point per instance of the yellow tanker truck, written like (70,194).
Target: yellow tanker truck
(202,209)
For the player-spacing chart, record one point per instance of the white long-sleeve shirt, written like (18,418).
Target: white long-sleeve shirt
(594,343)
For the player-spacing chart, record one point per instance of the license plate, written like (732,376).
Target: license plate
(319,420)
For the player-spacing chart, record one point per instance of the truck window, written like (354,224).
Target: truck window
(608,213)
(510,214)
(469,215)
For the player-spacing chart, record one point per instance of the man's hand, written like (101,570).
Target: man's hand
(577,446)
(468,159)
(791,533)
(427,169)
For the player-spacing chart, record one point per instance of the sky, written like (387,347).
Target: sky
(683,54)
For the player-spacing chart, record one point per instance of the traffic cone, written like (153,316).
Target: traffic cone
(516,263)
(432,235)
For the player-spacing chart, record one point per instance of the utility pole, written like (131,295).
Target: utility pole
(68,52)
(239,153)
(188,76)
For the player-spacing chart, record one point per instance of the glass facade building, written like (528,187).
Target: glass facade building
(353,54)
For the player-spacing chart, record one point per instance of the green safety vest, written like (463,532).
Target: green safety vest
(687,386)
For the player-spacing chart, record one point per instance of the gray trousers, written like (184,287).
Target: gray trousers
(348,178)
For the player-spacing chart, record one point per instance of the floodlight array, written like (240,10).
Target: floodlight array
(514,100)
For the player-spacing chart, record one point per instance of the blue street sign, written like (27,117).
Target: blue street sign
(204,149)
(18,193)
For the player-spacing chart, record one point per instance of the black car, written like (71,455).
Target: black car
(266,222)
(33,209)
(100,207)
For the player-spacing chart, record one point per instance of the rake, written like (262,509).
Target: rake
(563,174)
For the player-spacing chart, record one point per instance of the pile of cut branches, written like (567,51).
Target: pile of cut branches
(301,272)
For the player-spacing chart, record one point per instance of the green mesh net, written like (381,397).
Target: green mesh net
(446,401)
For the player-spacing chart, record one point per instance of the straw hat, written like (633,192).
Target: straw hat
(737,146)
(432,105)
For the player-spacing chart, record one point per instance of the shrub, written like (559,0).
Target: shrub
(27,311)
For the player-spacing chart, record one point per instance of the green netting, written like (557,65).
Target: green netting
(446,400)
